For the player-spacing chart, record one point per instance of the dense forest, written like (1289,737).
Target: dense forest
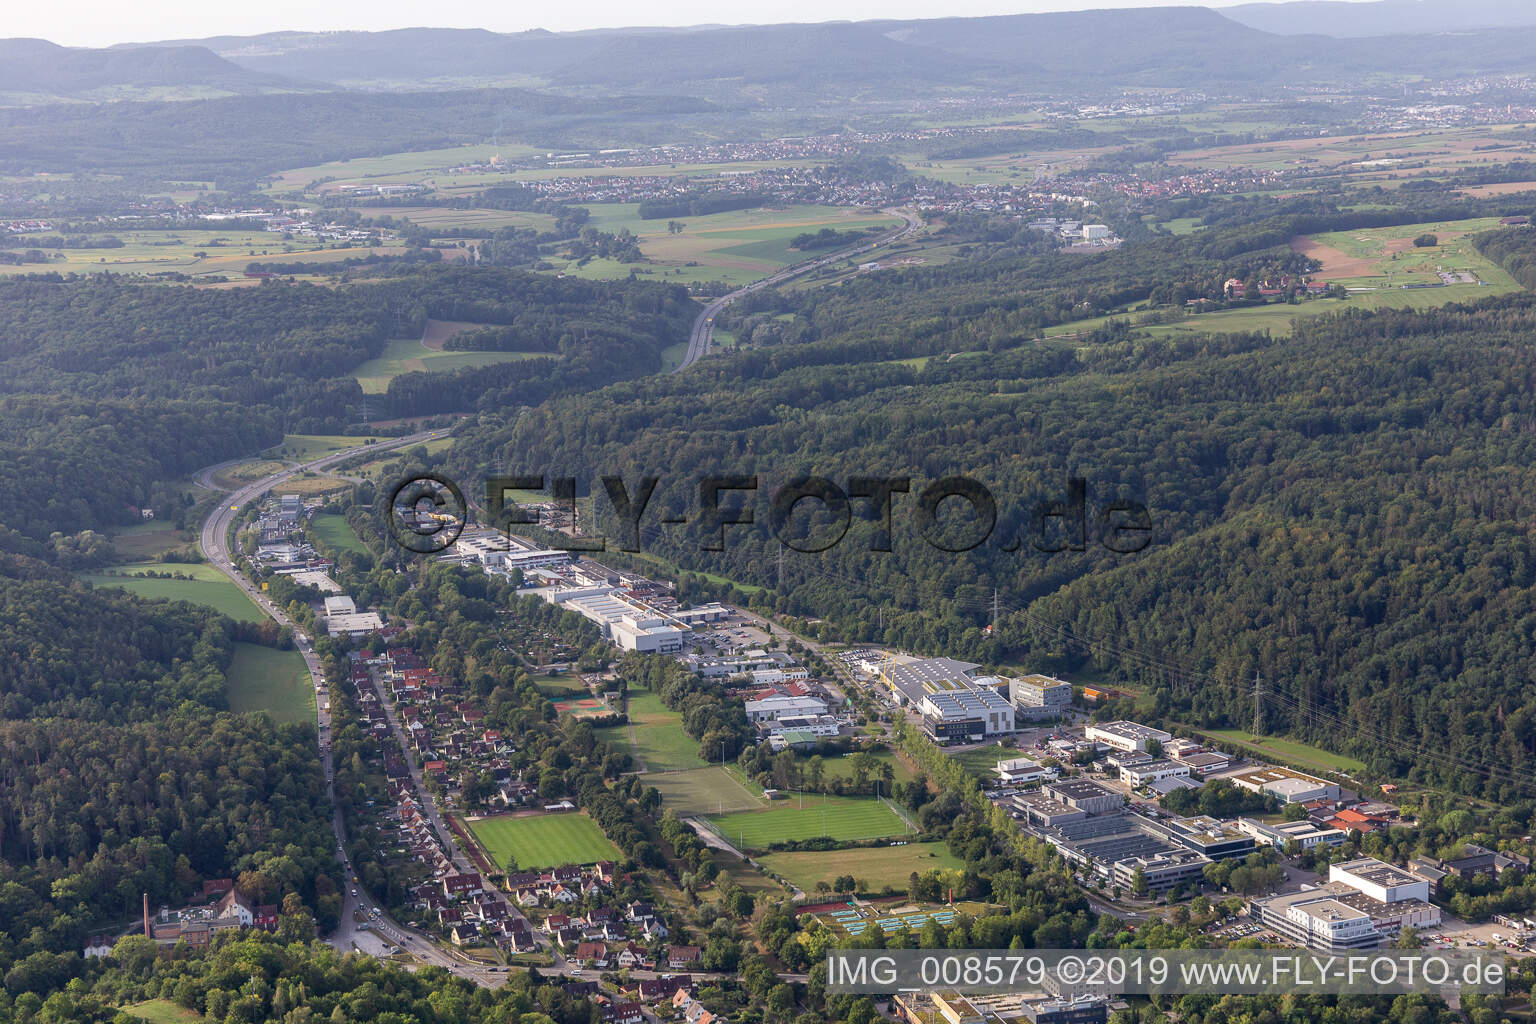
(1341,512)
(123,773)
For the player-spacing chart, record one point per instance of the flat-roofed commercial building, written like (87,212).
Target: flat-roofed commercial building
(1203,834)
(1204,762)
(712,612)
(1137,775)
(353,623)
(1337,917)
(1126,735)
(1086,795)
(1042,810)
(1162,871)
(1021,769)
(963,713)
(1288,785)
(912,679)
(1380,880)
(771,709)
(1036,697)
(631,626)
(1304,833)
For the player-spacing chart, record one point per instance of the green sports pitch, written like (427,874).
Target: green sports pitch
(836,817)
(543,840)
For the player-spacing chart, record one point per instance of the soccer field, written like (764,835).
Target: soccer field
(837,817)
(713,790)
(543,840)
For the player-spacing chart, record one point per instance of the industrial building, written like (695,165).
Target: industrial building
(1138,775)
(963,713)
(771,709)
(1337,917)
(1204,762)
(499,553)
(1380,880)
(1291,787)
(1037,697)
(1126,735)
(1019,770)
(631,626)
(698,616)
(1304,833)
(1086,795)
(911,680)
(1117,846)
(748,663)
(1041,810)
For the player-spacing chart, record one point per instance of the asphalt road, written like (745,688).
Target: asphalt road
(350,933)
(704,325)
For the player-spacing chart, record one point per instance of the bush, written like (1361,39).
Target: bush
(1426,241)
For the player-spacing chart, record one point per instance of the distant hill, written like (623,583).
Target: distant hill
(421,55)
(35,67)
(1085,53)
(1344,20)
(1172,46)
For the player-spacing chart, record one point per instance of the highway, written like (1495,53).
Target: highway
(704,325)
(380,929)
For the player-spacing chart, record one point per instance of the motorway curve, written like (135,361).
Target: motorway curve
(704,324)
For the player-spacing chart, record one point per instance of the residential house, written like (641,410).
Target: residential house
(593,951)
(683,956)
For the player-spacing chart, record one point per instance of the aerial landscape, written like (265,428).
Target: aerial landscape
(548,522)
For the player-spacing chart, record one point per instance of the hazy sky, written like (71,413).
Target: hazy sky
(103,22)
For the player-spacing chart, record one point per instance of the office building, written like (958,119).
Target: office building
(1038,697)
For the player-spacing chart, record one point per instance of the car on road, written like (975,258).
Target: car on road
(575,972)
(354,892)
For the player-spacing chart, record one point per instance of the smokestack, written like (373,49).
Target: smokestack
(147,933)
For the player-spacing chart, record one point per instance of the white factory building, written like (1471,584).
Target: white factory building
(631,625)
(771,709)
(1126,736)
(962,713)
(1019,770)
(1291,787)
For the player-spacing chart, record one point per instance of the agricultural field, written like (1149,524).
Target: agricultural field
(334,532)
(814,816)
(277,682)
(1292,751)
(1370,157)
(204,585)
(161,1011)
(1385,258)
(876,869)
(737,247)
(1375,264)
(655,735)
(394,167)
(524,842)
(196,253)
(143,542)
(713,790)
(405,355)
(308,447)
(448,217)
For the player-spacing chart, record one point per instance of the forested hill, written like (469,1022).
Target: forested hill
(1344,511)
(110,389)
(125,774)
